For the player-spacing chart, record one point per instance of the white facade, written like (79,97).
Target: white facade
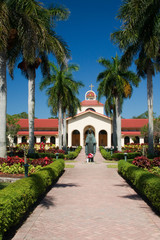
(91,116)
(89,119)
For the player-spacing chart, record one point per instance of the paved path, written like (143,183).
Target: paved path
(91,202)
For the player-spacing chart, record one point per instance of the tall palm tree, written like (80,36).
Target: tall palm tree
(38,40)
(8,50)
(116,84)
(61,89)
(139,37)
(70,105)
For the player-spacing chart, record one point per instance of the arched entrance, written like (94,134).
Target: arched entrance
(52,139)
(43,139)
(75,138)
(136,139)
(86,132)
(24,139)
(126,140)
(102,138)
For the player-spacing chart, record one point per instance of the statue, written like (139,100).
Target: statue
(90,147)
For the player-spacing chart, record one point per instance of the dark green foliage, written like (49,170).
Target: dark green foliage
(120,156)
(73,155)
(147,184)
(105,154)
(16,199)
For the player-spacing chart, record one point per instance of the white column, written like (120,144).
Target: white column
(56,141)
(81,138)
(141,140)
(122,141)
(19,140)
(48,139)
(38,139)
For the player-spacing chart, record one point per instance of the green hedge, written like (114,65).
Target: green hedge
(119,156)
(147,184)
(16,199)
(105,154)
(73,155)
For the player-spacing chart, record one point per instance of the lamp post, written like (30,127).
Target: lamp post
(25,162)
(57,155)
(125,157)
(111,151)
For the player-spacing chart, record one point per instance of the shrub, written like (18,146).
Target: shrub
(120,156)
(142,162)
(73,155)
(16,199)
(105,154)
(146,183)
(156,161)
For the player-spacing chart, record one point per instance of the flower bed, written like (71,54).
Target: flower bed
(146,183)
(15,165)
(18,197)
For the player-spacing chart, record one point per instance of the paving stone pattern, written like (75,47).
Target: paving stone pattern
(91,202)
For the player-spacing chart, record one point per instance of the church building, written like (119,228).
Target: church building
(91,116)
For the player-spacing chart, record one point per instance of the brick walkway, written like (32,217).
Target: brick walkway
(91,202)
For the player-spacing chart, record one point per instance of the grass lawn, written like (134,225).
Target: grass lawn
(70,161)
(112,166)
(69,166)
(110,161)
(4,184)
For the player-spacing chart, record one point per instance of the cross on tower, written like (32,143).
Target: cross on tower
(91,86)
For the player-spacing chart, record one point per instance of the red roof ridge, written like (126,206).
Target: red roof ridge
(82,113)
(91,103)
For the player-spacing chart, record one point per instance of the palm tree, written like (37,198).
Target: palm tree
(37,40)
(8,51)
(70,105)
(116,84)
(139,37)
(61,89)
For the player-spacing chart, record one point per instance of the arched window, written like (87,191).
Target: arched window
(102,138)
(126,140)
(145,139)
(92,109)
(15,139)
(43,139)
(52,140)
(24,139)
(136,139)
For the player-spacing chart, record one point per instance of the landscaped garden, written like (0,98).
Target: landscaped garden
(45,166)
(141,172)
(44,155)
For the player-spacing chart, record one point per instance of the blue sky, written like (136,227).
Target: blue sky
(87,32)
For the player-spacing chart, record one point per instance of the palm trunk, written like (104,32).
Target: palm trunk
(64,130)
(118,122)
(150,110)
(114,130)
(60,124)
(31,107)
(3,105)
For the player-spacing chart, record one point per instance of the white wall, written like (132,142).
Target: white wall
(99,109)
(81,122)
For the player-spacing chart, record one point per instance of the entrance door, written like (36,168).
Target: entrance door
(102,138)
(75,138)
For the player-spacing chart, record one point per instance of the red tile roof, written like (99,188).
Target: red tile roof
(89,111)
(38,133)
(40,123)
(133,123)
(133,133)
(90,94)
(91,103)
